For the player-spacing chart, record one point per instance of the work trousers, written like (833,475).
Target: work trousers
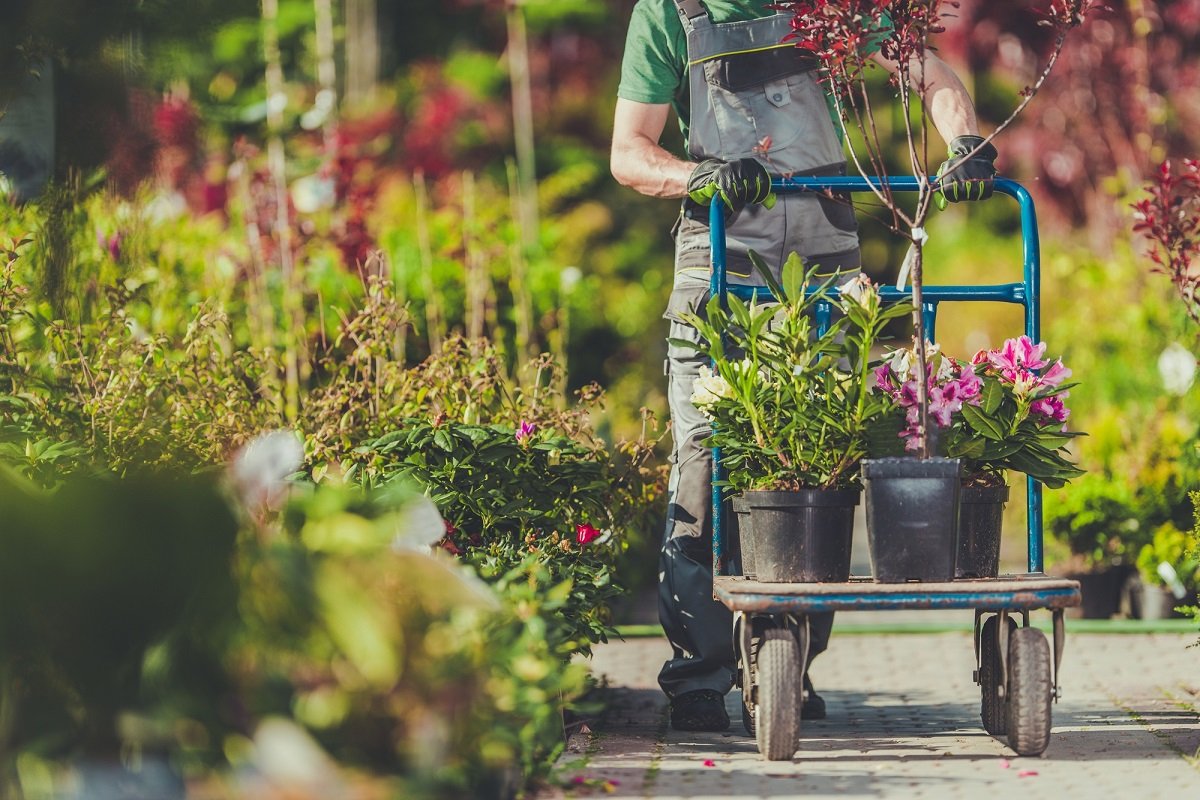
(699,628)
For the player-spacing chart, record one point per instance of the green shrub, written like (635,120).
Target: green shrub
(515,497)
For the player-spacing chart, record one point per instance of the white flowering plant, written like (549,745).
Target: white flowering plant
(791,408)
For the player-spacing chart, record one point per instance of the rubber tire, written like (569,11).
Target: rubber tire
(778,712)
(1029,692)
(993,709)
(748,719)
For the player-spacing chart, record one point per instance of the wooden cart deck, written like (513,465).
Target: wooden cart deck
(864,594)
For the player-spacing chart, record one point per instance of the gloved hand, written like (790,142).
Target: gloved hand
(738,183)
(963,178)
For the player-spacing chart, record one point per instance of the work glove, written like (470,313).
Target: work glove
(737,183)
(961,178)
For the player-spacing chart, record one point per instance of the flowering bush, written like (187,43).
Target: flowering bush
(790,408)
(1000,412)
(513,495)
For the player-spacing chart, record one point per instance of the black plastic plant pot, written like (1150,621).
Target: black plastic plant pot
(744,536)
(980,516)
(912,517)
(802,536)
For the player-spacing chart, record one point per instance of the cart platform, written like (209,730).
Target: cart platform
(1007,592)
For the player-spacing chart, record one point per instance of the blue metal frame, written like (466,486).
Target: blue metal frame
(1026,294)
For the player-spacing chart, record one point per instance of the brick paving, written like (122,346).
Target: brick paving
(904,723)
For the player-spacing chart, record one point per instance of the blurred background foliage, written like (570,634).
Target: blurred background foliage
(369,219)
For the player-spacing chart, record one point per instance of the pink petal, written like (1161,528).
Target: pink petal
(1027,773)
(708,762)
(1056,374)
(1005,763)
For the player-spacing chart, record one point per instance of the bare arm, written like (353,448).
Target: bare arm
(638,161)
(949,105)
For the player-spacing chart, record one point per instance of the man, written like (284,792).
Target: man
(743,97)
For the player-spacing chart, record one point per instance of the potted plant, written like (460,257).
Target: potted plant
(1168,569)
(1003,411)
(919,495)
(791,409)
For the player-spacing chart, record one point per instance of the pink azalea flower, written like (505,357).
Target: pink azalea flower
(585,533)
(1051,409)
(1017,354)
(943,402)
(969,385)
(1056,374)
(883,379)
(525,432)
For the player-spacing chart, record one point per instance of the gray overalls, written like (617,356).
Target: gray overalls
(751,95)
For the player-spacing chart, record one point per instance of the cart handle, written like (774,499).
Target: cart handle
(1026,294)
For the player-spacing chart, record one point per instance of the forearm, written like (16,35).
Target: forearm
(638,161)
(946,99)
(645,167)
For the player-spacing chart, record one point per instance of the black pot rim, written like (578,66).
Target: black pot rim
(911,467)
(771,498)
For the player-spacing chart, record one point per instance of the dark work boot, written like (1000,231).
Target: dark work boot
(813,706)
(701,710)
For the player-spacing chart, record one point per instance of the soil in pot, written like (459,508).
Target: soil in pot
(912,517)
(802,536)
(980,516)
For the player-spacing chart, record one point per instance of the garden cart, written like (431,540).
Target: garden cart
(1016,669)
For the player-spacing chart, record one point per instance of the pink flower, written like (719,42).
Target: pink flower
(969,385)
(708,762)
(883,380)
(585,533)
(1056,374)
(944,401)
(1051,409)
(1018,354)
(525,432)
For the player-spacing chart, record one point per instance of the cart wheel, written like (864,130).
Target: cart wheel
(747,717)
(1029,690)
(992,707)
(778,713)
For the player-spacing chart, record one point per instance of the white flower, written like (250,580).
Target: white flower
(260,469)
(312,193)
(708,389)
(860,290)
(945,370)
(419,526)
(901,364)
(1177,368)
(569,278)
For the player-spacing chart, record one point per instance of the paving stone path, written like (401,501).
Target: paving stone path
(904,723)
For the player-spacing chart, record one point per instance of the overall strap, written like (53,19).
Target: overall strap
(690,10)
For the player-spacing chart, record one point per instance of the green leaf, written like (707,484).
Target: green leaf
(982,423)
(991,396)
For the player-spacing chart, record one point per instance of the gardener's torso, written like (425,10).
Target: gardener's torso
(750,94)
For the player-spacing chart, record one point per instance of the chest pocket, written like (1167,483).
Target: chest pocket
(771,93)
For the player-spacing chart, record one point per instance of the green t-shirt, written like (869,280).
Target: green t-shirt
(654,68)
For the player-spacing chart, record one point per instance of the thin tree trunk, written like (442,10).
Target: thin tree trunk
(434,322)
(362,50)
(293,315)
(476,267)
(326,65)
(522,103)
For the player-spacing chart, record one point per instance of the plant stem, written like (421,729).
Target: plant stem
(434,324)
